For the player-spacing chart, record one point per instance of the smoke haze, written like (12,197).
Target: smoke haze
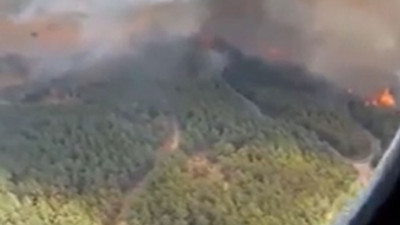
(346,41)
(354,43)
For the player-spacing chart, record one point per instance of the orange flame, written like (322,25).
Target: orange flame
(382,99)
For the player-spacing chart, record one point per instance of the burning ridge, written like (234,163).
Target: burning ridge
(290,92)
(279,90)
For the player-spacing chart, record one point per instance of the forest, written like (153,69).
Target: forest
(114,154)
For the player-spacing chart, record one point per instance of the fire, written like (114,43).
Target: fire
(383,99)
(206,41)
(273,53)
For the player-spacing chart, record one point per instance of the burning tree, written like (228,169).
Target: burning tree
(384,98)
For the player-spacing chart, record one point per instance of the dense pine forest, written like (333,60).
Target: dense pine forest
(259,143)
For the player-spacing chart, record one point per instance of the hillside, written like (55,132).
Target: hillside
(139,145)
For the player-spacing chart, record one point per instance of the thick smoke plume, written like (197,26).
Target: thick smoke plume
(351,42)
(354,43)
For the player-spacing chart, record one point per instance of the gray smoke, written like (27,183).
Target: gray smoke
(354,43)
(60,35)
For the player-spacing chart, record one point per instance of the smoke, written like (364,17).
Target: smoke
(60,35)
(32,8)
(353,43)
(361,42)
(105,23)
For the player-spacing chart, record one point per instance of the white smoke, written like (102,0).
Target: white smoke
(356,40)
(33,8)
(98,29)
(336,38)
(100,21)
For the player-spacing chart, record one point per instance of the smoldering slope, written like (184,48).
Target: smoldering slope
(353,43)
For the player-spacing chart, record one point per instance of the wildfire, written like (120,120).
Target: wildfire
(383,99)
(206,41)
(273,53)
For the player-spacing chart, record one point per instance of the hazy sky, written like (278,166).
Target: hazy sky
(344,40)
